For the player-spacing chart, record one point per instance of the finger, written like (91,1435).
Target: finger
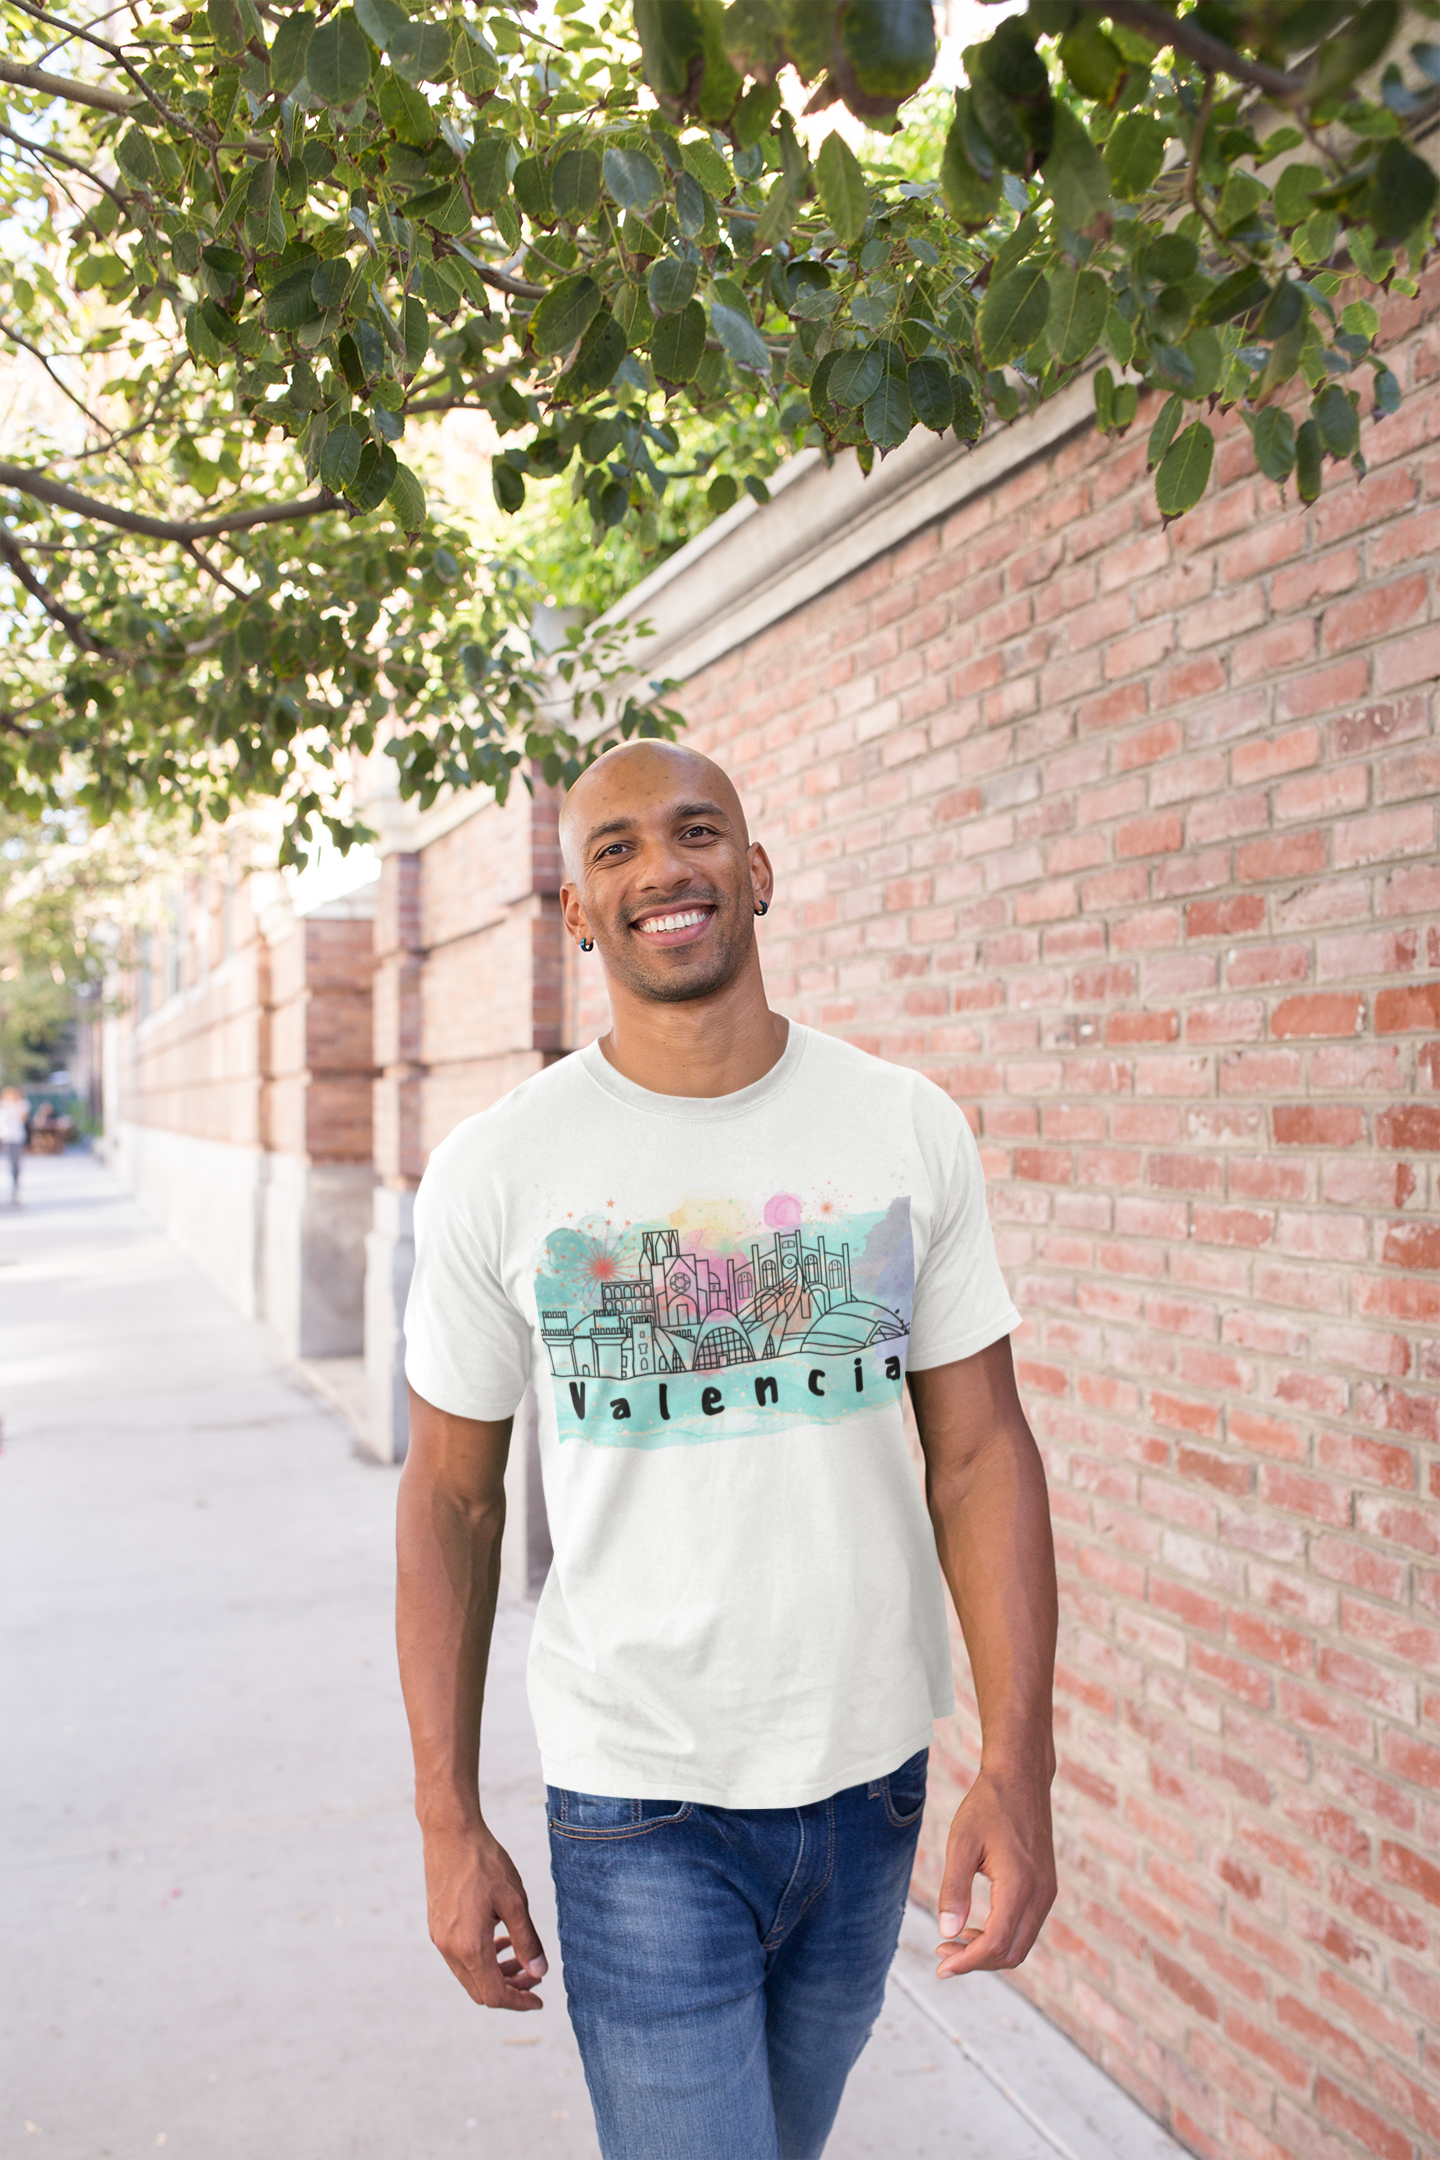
(957,1887)
(520,1932)
(990,1948)
(483,1981)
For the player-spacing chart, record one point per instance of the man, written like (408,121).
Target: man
(721,1245)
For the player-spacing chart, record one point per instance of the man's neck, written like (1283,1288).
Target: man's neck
(705,1046)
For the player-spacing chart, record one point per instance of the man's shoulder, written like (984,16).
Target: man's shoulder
(858,1070)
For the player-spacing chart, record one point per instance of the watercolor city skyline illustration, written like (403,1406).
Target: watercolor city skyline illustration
(764,1314)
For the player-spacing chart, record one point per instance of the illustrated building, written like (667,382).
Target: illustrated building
(685,1312)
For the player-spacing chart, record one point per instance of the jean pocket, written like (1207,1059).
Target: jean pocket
(599,1815)
(904,1791)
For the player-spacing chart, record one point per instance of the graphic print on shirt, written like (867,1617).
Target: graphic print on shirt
(716,1324)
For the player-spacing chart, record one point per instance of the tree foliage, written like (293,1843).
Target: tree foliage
(265,247)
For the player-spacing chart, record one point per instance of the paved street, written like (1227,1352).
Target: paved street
(214,1931)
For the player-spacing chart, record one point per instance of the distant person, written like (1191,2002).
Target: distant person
(14,1130)
(719,1246)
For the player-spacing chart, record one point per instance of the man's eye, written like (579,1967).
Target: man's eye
(702,832)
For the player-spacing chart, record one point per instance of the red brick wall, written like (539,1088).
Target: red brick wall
(197,1065)
(1127,837)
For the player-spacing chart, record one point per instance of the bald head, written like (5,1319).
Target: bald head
(661,873)
(633,780)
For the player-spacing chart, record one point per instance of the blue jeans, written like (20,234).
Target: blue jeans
(724,1966)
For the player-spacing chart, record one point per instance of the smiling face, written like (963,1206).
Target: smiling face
(661,872)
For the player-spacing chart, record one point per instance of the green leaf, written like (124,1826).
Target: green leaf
(1273,434)
(691,203)
(1170,260)
(406,498)
(531,186)
(416,333)
(1293,191)
(971,196)
(375,478)
(671,284)
(474,59)
(1308,454)
(1012,314)
(1163,432)
(855,376)
(1402,194)
(601,351)
(1387,392)
(678,342)
(137,160)
(842,188)
(337,67)
(742,341)
(1282,312)
(1337,420)
(564,315)
(507,485)
(932,397)
(1104,400)
(292,302)
(575,186)
(487,168)
(888,51)
(289,52)
(704,163)
(722,493)
(671,42)
(1360,319)
(631,179)
(1079,300)
(1091,62)
(1134,154)
(1206,354)
(1126,405)
(226,25)
(340,458)
(1075,173)
(888,418)
(1235,295)
(1185,471)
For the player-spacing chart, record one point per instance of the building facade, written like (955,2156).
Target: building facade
(1127,837)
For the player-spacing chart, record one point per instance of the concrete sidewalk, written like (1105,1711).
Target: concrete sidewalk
(213,1918)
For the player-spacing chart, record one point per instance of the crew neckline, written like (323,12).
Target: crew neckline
(698,1109)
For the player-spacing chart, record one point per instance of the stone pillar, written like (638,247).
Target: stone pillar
(390,1244)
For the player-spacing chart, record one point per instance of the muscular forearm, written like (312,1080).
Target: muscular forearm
(992,1530)
(985,1486)
(448,1538)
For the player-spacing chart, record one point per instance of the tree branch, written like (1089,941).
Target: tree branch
(26,481)
(44,152)
(63,387)
(61,86)
(1211,53)
(212,569)
(70,623)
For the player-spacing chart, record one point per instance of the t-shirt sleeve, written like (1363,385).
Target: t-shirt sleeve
(467,1346)
(961,1302)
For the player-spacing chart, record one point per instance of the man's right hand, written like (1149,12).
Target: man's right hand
(473,1891)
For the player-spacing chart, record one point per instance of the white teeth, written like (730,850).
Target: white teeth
(671,922)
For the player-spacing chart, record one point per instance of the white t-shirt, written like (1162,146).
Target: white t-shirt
(716,1300)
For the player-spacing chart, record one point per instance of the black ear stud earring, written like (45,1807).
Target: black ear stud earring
(764,908)
(587,944)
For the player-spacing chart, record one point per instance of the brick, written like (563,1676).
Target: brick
(1377,2138)
(1416,1008)
(1318,1013)
(1377,612)
(1287,855)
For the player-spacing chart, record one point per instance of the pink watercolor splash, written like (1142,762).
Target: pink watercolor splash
(782,1212)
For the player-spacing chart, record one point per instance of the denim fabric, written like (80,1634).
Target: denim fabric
(724,1966)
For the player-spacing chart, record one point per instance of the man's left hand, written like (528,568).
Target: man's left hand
(1001,1830)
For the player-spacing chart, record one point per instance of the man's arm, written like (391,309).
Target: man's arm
(985,1488)
(449,1522)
